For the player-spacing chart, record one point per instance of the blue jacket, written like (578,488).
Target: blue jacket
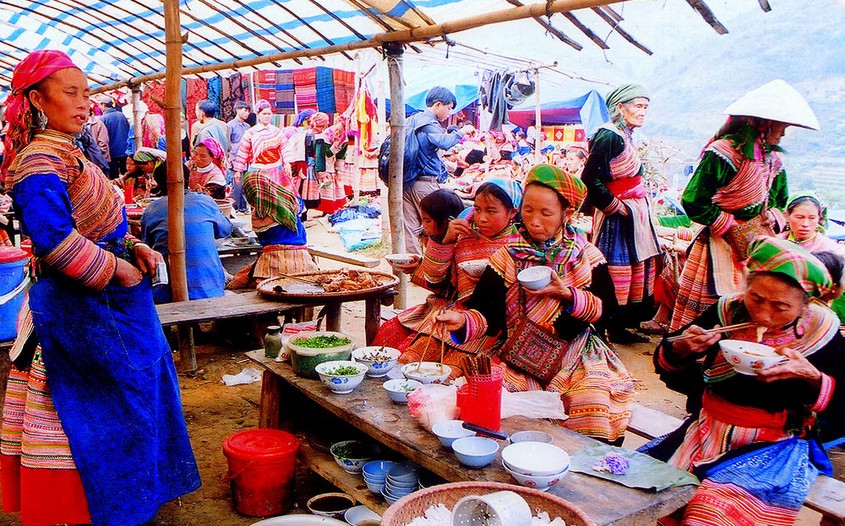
(118,128)
(203,224)
(431,137)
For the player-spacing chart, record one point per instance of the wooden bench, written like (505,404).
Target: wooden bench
(827,496)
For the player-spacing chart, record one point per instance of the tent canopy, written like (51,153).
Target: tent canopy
(588,109)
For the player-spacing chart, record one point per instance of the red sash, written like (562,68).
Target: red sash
(620,186)
(742,416)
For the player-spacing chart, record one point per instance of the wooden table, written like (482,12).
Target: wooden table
(253,305)
(288,401)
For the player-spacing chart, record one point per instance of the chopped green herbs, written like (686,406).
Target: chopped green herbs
(322,342)
(343,370)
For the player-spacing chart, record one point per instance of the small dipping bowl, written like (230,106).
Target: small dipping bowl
(475,268)
(475,452)
(398,389)
(362,516)
(399,259)
(535,278)
(332,505)
(449,431)
(530,436)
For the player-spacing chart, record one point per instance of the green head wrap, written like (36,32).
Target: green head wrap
(801,197)
(771,254)
(623,94)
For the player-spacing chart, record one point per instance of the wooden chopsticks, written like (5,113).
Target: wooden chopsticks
(726,328)
(476,365)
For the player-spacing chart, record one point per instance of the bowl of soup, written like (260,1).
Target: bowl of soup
(427,372)
(749,357)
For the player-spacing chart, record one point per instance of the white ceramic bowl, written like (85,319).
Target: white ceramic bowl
(474,268)
(535,278)
(379,360)
(475,452)
(340,384)
(354,463)
(535,459)
(542,483)
(749,357)
(450,430)
(357,515)
(399,259)
(530,436)
(427,372)
(398,389)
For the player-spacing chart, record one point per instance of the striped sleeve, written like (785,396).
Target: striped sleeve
(82,260)
(723,222)
(437,260)
(585,306)
(476,327)
(825,393)
(244,156)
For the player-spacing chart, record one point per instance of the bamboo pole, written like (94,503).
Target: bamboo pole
(418,34)
(394,52)
(538,118)
(137,115)
(175,177)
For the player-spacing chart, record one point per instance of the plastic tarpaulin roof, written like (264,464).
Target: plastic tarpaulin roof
(588,109)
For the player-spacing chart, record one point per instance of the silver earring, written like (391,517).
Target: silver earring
(41,120)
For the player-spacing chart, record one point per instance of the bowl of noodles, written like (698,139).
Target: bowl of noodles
(749,357)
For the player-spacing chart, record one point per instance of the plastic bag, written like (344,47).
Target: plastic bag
(290,330)
(533,404)
(247,376)
(433,403)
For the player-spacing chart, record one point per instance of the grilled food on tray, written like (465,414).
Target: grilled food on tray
(347,280)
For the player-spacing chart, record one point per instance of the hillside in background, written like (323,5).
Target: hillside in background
(801,44)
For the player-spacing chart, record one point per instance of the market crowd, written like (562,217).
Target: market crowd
(542,258)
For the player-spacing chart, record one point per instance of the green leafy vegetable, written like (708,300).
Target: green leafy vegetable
(343,370)
(322,342)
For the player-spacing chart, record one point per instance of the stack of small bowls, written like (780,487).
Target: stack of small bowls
(375,474)
(401,480)
(537,465)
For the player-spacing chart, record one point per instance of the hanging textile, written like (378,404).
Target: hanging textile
(305,83)
(231,91)
(285,95)
(344,89)
(214,84)
(325,90)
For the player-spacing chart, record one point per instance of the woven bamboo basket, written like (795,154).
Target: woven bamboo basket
(414,505)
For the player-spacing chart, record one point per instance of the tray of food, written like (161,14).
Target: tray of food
(331,283)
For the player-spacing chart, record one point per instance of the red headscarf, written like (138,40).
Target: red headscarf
(36,67)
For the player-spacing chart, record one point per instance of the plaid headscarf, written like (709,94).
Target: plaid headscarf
(623,94)
(146,154)
(270,199)
(571,188)
(319,121)
(34,68)
(215,149)
(771,254)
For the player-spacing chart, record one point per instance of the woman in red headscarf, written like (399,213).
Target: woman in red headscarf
(206,167)
(93,429)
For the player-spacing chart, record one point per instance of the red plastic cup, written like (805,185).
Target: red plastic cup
(480,399)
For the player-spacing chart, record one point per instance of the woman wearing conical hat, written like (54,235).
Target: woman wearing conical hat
(738,191)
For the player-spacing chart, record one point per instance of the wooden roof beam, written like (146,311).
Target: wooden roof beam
(708,16)
(418,34)
(546,23)
(622,33)
(764,5)
(597,40)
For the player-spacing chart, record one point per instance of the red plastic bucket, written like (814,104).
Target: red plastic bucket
(261,469)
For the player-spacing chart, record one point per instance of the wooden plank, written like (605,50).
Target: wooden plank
(229,306)
(650,423)
(827,496)
(352,259)
(269,410)
(369,410)
(324,465)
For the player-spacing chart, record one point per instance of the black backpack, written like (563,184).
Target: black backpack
(412,150)
(91,150)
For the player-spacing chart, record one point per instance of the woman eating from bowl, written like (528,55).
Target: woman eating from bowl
(596,390)
(453,264)
(751,434)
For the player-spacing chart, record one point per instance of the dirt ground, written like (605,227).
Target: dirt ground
(214,412)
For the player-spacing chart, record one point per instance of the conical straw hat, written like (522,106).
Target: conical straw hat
(776,101)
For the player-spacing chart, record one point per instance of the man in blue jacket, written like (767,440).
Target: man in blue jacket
(118,128)
(423,175)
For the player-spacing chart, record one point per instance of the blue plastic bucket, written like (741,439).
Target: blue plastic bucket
(13,285)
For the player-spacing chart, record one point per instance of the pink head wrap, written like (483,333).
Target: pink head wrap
(215,149)
(34,68)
